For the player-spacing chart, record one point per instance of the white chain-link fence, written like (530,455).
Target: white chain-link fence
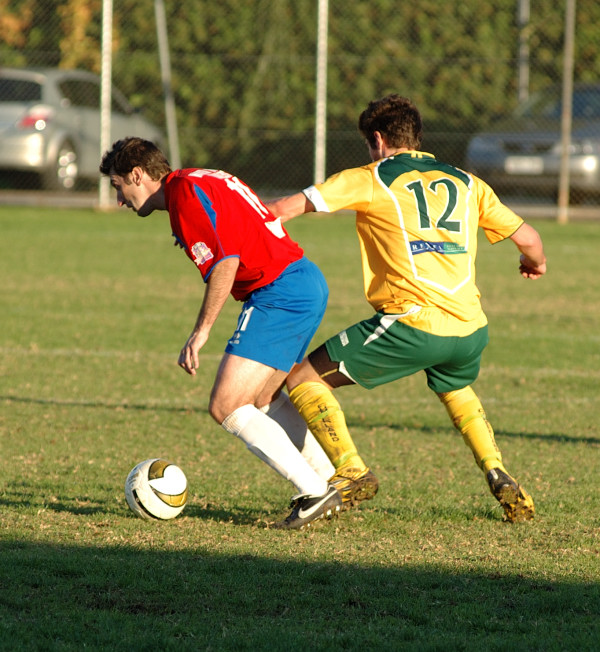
(234,85)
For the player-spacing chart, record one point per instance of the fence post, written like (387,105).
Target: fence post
(567,114)
(523,17)
(165,68)
(105,98)
(321,94)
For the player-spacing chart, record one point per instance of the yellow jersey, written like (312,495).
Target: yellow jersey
(417,221)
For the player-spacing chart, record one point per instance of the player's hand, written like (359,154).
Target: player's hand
(529,270)
(188,357)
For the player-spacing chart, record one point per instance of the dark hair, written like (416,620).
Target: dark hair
(129,153)
(396,118)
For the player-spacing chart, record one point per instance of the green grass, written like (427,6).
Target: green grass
(94,310)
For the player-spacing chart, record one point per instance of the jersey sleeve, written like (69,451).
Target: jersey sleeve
(350,189)
(497,220)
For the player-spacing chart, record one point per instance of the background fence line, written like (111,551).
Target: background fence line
(272,90)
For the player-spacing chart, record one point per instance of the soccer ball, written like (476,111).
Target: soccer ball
(156,489)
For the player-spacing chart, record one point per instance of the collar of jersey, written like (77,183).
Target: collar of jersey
(413,153)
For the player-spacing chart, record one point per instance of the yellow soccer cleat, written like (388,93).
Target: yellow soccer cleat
(355,485)
(516,502)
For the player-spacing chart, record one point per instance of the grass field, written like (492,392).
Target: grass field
(94,310)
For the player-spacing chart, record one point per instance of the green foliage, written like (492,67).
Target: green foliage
(244,73)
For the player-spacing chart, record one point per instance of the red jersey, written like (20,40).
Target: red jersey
(215,216)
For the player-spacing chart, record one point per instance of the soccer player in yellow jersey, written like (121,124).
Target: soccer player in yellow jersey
(417,221)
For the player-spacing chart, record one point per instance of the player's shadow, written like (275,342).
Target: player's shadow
(549,437)
(447,514)
(205,597)
(124,405)
(238,516)
(26,496)
(23,497)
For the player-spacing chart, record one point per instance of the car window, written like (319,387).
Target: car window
(81,93)
(586,104)
(87,94)
(541,105)
(19,90)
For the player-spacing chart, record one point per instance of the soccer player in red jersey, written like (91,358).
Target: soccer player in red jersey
(241,249)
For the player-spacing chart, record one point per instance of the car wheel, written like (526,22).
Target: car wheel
(64,171)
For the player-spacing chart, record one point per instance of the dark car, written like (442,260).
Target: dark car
(50,124)
(523,152)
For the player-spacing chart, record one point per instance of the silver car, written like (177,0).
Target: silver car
(523,152)
(50,124)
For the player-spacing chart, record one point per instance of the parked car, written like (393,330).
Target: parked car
(523,152)
(50,124)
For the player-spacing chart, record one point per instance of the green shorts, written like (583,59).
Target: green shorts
(382,349)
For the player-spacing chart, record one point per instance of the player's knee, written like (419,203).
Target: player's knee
(216,412)
(220,407)
(301,373)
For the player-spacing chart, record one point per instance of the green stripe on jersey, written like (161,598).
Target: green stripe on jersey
(392,168)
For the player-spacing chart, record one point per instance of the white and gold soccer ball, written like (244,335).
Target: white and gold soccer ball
(156,489)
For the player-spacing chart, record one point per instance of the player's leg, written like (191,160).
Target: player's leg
(274,329)
(301,295)
(310,385)
(310,392)
(285,414)
(469,418)
(370,353)
(238,384)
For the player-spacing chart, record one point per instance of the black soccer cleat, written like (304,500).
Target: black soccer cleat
(306,509)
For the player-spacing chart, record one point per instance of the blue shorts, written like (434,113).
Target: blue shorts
(278,321)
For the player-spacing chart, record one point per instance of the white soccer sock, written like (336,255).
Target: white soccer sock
(269,442)
(283,411)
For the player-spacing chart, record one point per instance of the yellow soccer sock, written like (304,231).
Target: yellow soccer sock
(325,419)
(469,418)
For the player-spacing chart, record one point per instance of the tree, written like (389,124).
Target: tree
(244,72)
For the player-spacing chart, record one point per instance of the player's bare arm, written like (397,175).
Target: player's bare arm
(287,207)
(218,287)
(533,259)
